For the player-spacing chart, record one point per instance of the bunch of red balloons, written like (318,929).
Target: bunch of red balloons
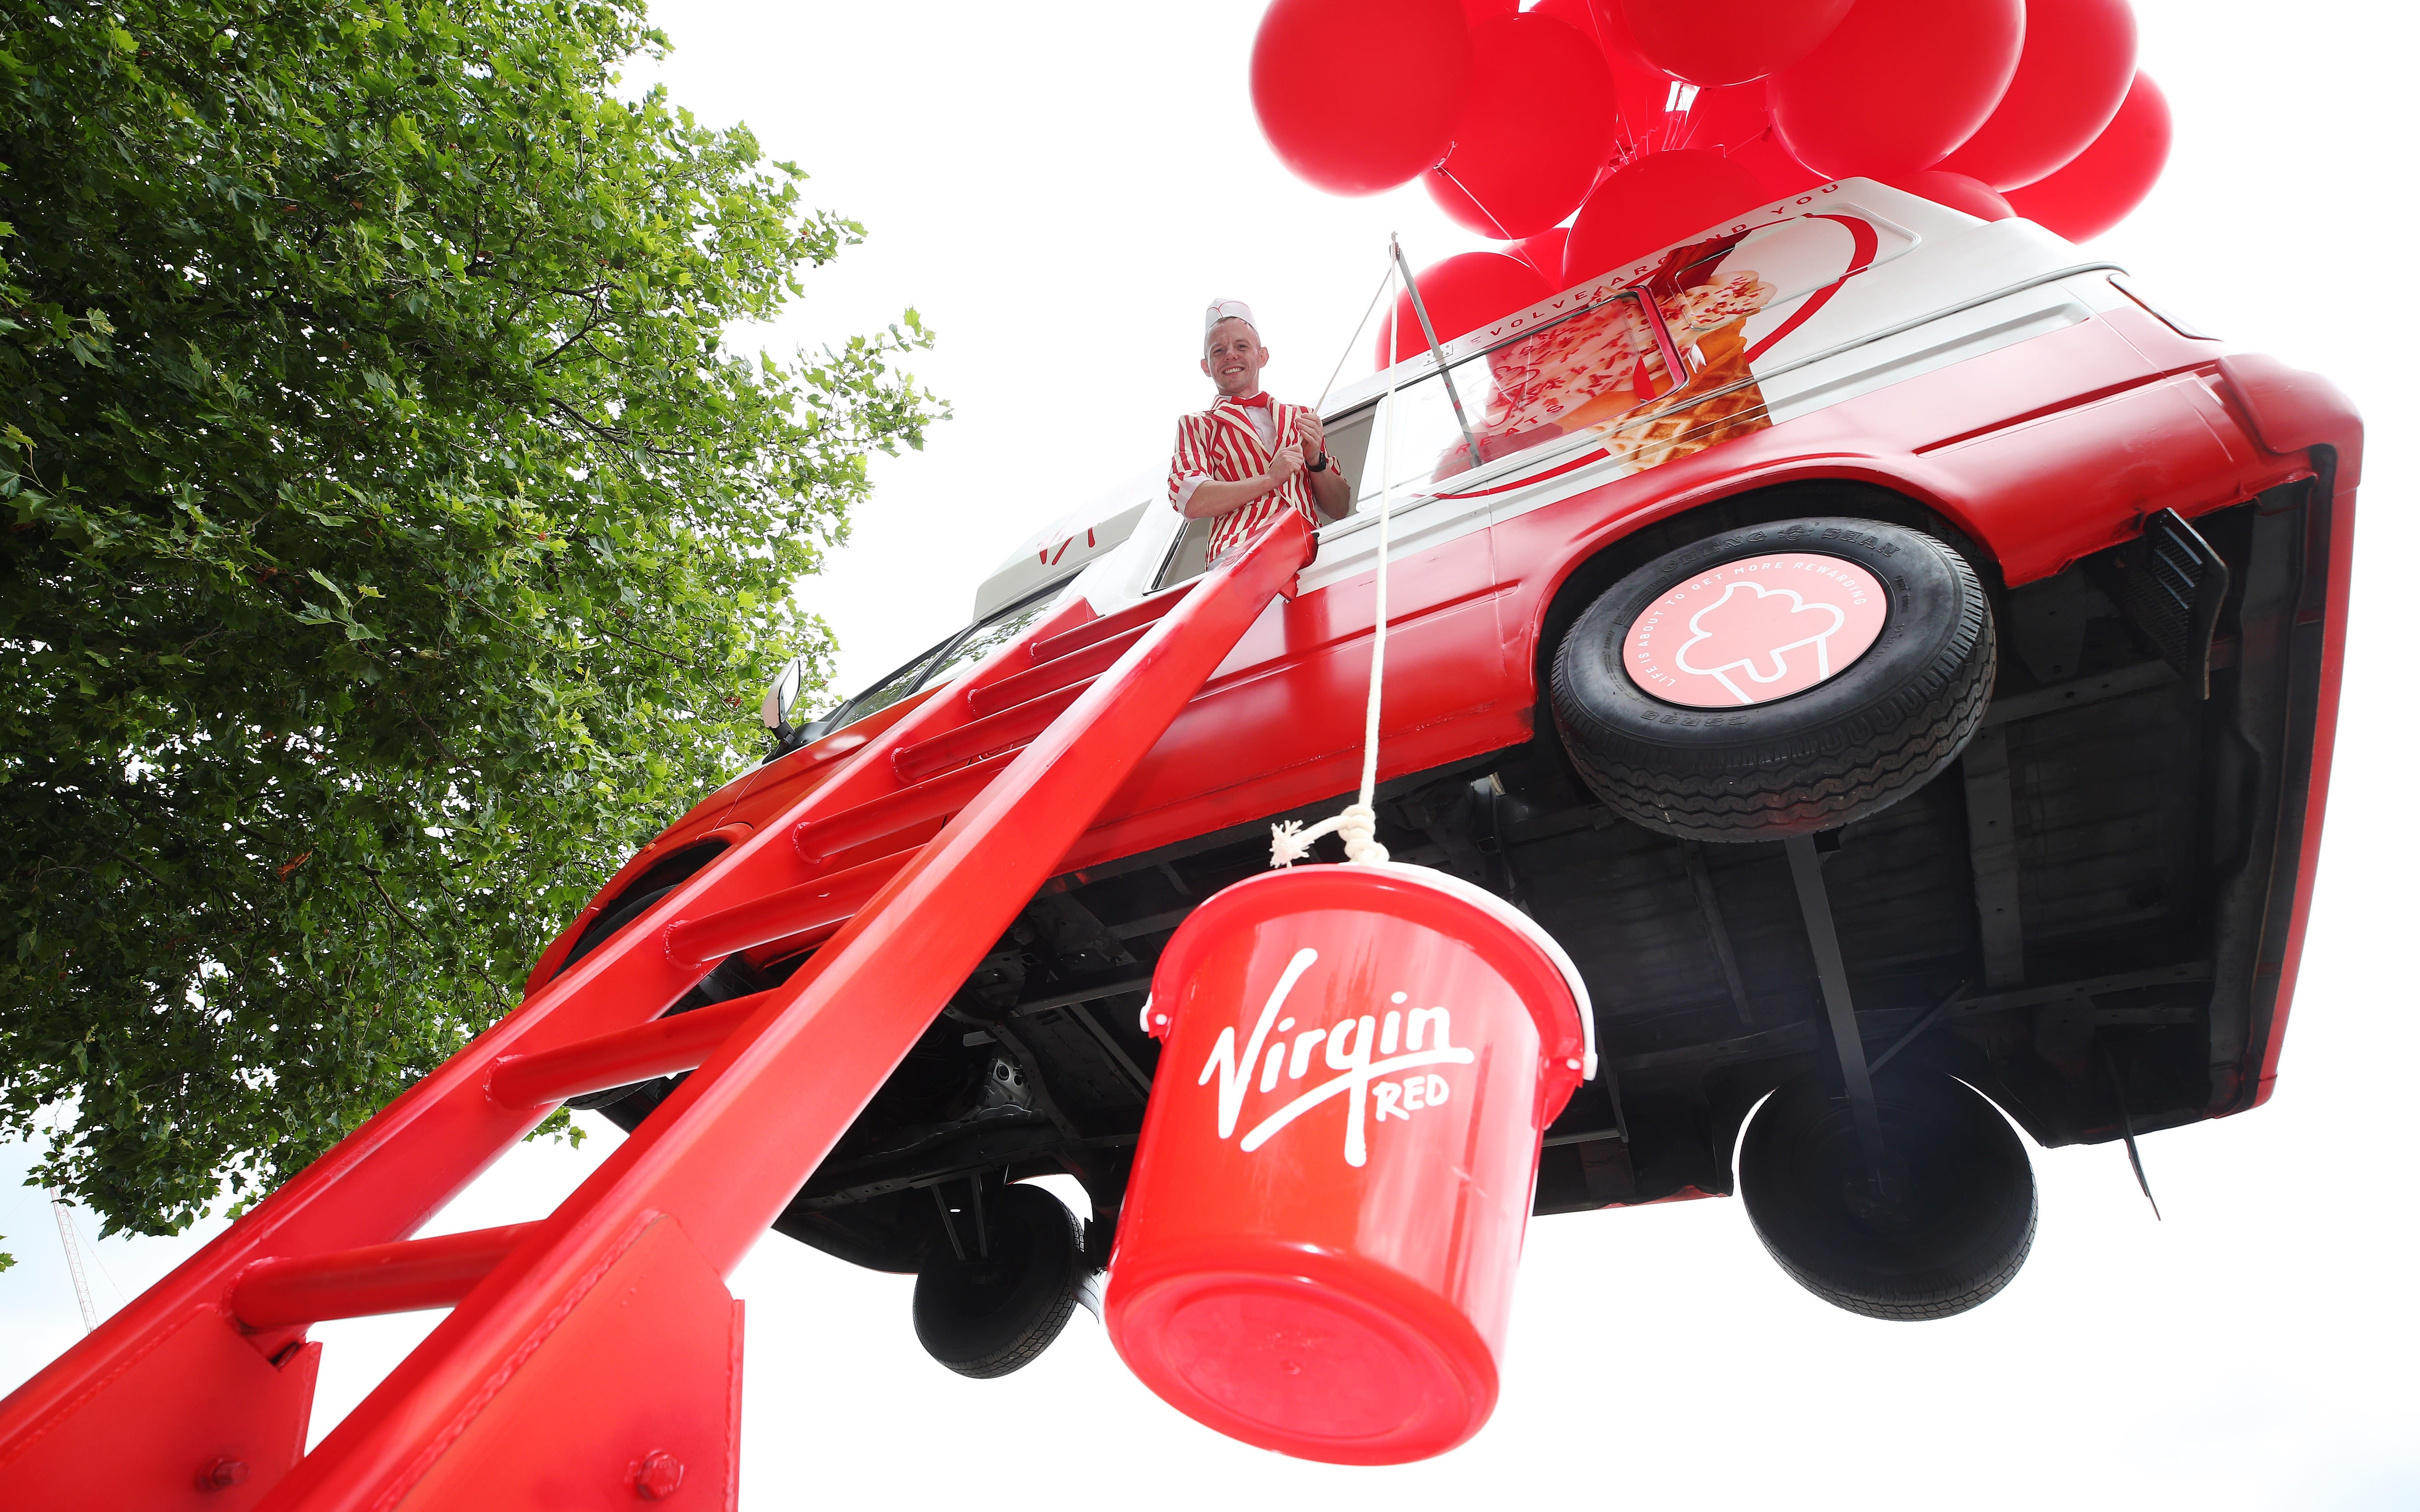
(1655,118)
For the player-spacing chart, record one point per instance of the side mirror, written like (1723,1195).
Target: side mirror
(781,697)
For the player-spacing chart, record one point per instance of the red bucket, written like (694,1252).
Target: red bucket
(1317,1247)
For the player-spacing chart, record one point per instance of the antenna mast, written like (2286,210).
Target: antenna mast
(75,1264)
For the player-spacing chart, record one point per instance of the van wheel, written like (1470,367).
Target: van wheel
(1953,1221)
(1777,679)
(997,1306)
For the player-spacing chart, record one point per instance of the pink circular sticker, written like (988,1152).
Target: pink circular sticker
(1754,630)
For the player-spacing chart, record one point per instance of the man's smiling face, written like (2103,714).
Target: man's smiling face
(1234,358)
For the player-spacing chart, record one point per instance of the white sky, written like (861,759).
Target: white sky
(1058,189)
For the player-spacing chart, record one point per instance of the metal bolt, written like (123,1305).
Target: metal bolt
(221,1474)
(660,1476)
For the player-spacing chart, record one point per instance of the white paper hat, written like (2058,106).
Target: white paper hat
(1227,310)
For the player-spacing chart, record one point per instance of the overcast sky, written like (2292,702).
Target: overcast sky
(1058,189)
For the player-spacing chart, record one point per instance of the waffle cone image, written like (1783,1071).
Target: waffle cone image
(1733,406)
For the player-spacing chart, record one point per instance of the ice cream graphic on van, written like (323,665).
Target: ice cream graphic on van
(1598,369)
(1755,630)
(1746,633)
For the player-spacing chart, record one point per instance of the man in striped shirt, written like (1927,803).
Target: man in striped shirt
(1248,458)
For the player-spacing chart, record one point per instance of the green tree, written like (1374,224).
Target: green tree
(394,540)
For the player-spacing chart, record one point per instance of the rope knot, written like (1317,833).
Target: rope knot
(1290,842)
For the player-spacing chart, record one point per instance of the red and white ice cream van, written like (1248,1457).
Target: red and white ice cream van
(1893,659)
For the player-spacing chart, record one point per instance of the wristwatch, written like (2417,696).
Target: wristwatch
(1320,463)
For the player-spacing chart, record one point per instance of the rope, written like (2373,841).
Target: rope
(1386,282)
(1290,842)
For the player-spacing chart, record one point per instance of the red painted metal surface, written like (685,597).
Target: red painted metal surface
(1316,1252)
(821,839)
(659,1047)
(376,1279)
(206,1422)
(632,1399)
(604,1328)
(807,909)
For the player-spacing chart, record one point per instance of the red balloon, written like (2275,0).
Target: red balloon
(1740,41)
(1579,15)
(1711,119)
(1541,123)
(1641,90)
(2108,178)
(1478,10)
(1358,96)
(1614,32)
(2078,59)
(1544,253)
(1774,167)
(1955,190)
(1653,203)
(1898,85)
(1461,294)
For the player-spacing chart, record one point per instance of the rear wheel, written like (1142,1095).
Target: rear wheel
(1951,1226)
(998,1305)
(1777,679)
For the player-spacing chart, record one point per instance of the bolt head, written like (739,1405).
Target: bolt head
(660,1476)
(221,1474)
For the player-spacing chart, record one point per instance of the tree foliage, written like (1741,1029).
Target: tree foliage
(393,537)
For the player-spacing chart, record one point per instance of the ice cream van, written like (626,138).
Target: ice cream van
(1893,655)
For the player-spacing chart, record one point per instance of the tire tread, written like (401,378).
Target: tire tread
(1764,789)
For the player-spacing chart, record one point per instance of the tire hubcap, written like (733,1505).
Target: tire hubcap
(1755,629)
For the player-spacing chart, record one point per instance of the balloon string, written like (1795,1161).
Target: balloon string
(1440,171)
(1387,279)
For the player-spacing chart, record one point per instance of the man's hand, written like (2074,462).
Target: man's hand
(1314,435)
(1284,466)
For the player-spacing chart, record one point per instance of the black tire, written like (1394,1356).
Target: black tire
(986,1316)
(1953,1225)
(1868,736)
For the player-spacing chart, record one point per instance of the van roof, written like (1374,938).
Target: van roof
(1059,549)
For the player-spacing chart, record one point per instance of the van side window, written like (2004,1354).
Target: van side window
(882,694)
(984,639)
(937,665)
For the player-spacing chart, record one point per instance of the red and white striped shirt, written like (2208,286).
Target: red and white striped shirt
(1221,444)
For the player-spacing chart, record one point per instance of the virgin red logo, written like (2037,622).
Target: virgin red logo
(1370,1055)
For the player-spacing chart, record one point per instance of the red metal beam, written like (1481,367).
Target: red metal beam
(1062,642)
(657,1048)
(986,735)
(700,940)
(377,1278)
(817,840)
(1049,677)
